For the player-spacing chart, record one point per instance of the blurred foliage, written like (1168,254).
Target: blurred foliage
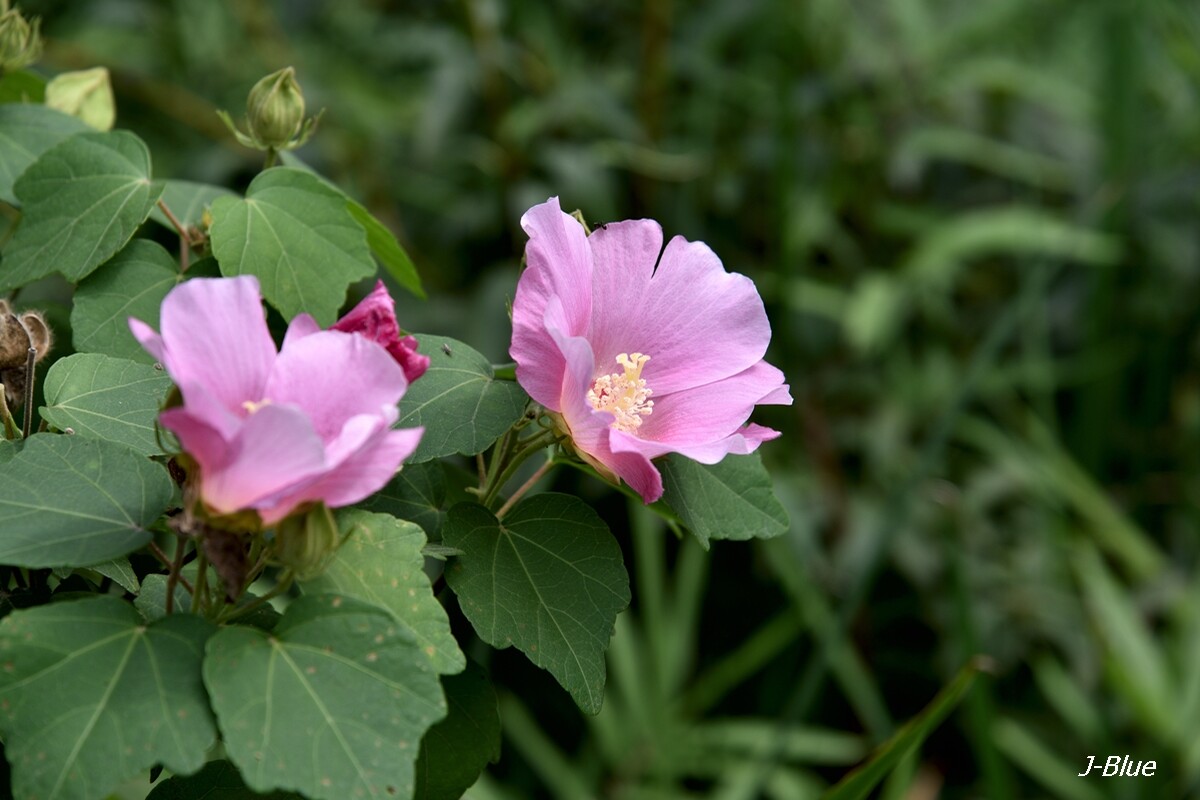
(974,224)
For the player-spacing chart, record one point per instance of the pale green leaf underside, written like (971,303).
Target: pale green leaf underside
(332,704)
(72,501)
(549,579)
(91,696)
(297,237)
(380,562)
(732,499)
(461,405)
(101,397)
(82,200)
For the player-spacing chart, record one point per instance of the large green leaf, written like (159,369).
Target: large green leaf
(219,780)
(27,131)
(82,201)
(132,284)
(187,201)
(333,703)
(389,252)
(549,579)
(416,493)
(22,86)
(859,783)
(380,562)
(71,501)
(732,499)
(458,400)
(458,748)
(296,235)
(106,398)
(90,695)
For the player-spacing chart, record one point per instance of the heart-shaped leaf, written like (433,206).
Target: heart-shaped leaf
(458,400)
(333,703)
(81,200)
(72,501)
(732,499)
(27,131)
(549,579)
(416,493)
(380,562)
(90,695)
(296,235)
(101,397)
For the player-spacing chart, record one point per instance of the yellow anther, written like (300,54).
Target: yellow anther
(624,395)
(252,406)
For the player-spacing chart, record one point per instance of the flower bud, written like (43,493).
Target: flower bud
(20,43)
(275,109)
(86,94)
(306,542)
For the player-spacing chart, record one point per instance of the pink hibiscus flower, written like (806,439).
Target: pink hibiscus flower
(639,354)
(375,318)
(272,431)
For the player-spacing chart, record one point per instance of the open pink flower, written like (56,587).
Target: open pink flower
(271,431)
(375,318)
(640,354)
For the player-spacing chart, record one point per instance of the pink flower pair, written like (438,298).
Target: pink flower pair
(273,430)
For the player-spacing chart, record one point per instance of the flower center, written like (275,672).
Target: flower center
(252,406)
(624,394)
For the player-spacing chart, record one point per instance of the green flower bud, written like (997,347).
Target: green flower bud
(20,43)
(275,109)
(305,543)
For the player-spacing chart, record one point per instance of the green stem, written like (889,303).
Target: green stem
(525,487)
(30,362)
(200,595)
(284,584)
(173,576)
(533,444)
(272,158)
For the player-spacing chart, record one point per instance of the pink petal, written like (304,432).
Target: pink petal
(147,337)
(335,376)
(697,322)
(625,254)
(198,438)
(742,442)
(713,411)
(302,325)
(361,474)
(214,334)
(275,448)
(559,266)
(375,318)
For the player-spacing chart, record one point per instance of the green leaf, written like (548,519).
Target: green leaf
(151,602)
(549,579)
(90,695)
(387,249)
(859,783)
(297,236)
(22,86)
(416,493)
(332,704)
(82,201)
(132,284)
(458,400)
(219,780)
(187,201)
(71,501)
(120,572)
(732,499)
(458,748)
(380,562)
(27,131)
(101,397)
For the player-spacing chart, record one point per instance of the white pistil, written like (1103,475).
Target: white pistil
(253,406)
(624,394)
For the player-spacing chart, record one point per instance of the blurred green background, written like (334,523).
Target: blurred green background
(974,223)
